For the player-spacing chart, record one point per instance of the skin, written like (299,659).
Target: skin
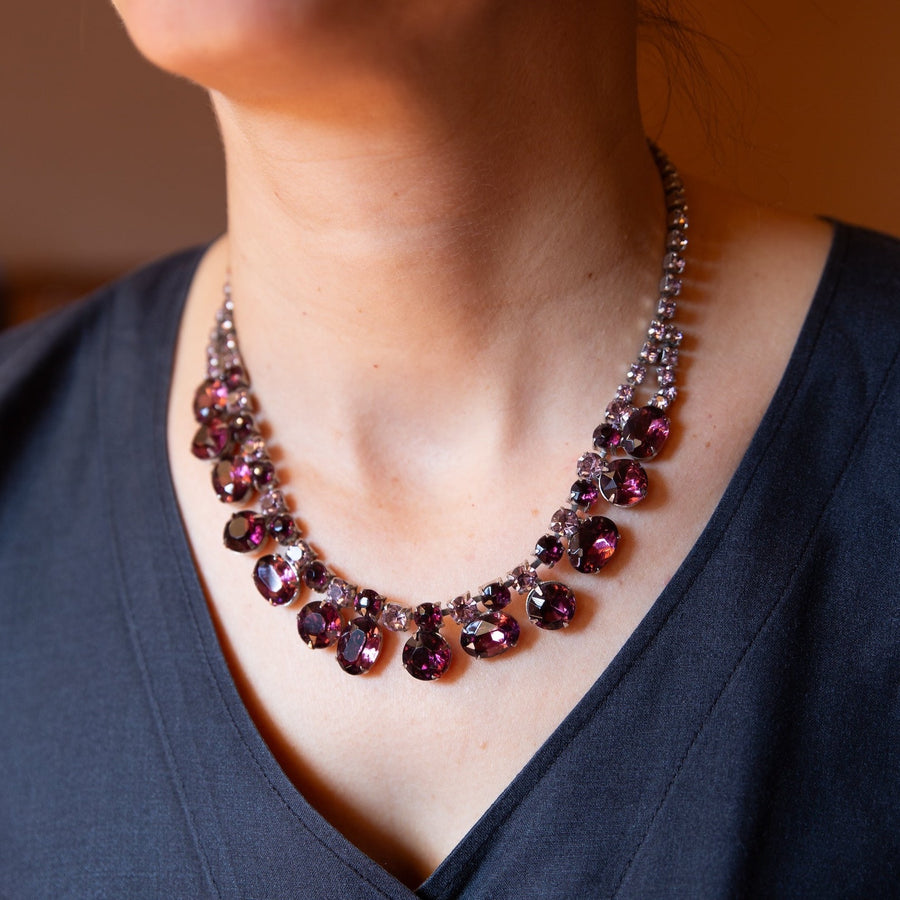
(445,233)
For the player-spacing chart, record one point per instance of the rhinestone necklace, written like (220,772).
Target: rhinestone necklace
(353,618)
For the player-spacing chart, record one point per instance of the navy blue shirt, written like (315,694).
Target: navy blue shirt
(744,742)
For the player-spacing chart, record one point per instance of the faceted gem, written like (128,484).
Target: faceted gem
(211,439)
(253,447)
(245,531)
(211,400)
(232,480)
(564,521)
(283,528)
(359,645)
(584,493)
(299,553)
(426,655)
(524,578)
(369,603)
(624,482)
(276,579)
(428,616)
(495,596)
(463,609)
(589,466)
(645,432)
(617,411)
(489,635)
(242,426)
(316,576)
(340,593)
(593,544)
(395,616)
(549,549)
(673,262)
(319,624)
(263,473)
(236,378)
(272,501)
(551,605)
(676,241)
(606,437)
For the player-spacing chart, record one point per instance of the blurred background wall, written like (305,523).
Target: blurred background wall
(106,163)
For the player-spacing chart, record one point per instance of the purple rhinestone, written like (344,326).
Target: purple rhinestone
(242,426)
(589,466)
(283,528)
(395,617)
(645,432)
(359,645)
(564,521)
(677,241)
(495,596)
(319,624)
(606,437)
(276,579)
(428,616)
(549,549)
(489,635)
(593,544)
(232,480)
(211,439)
(369,603)
(584,494)
(624,482)
(210,400)
(551,605)
(463,609)
(340,593)
(617,411)
(245,531)
(263,473)
(316,576)
(426,655)
(236,378)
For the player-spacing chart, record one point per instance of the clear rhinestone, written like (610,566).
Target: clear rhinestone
(666,308)
(636,373)
(300,554)
(564,521)
(395,617)
(340,593)
(649,353)
(272,502)
(665,376)
(590,465)
(523,578)
(463,609)
(673,262)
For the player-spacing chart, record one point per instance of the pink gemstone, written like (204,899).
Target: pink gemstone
(645,432)
(564,521)
(523,578)
(359,645)
(232,480)
(624,482)
(593,544)
(551,605)
(463,609)
(211,439)
(489,635)
(210,400)
(276,579)
(319,624)
(395,617)
(495,596)
(245,532)
(590,465)
(426,655)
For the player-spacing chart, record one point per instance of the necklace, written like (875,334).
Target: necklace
(353,618)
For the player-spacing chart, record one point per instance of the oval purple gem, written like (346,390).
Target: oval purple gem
(584,493)
(211,439)
(276,579)
(593,544)
(645,432)
(319,624)
(549,549)
(232,480)
(426,655)
(551,605)
(359,645)
(489,635)
(210,400)
(244,532)
(624,482)
(495,596)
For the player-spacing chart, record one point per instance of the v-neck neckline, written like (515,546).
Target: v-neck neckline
(185,669)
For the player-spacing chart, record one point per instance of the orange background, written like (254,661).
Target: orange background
(105,162)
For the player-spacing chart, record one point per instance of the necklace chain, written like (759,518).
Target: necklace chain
(352,618)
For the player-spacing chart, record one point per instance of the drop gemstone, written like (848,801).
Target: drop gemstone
(319,624)
(232,480)
(551,605)
(359,645)
(489,635)
(495,596)
(549,550)
(210,400)
(624,482)
(245,532)
(593,544)
(584,494)
(426,656)
(645,432)
(211,439)
(276,579)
